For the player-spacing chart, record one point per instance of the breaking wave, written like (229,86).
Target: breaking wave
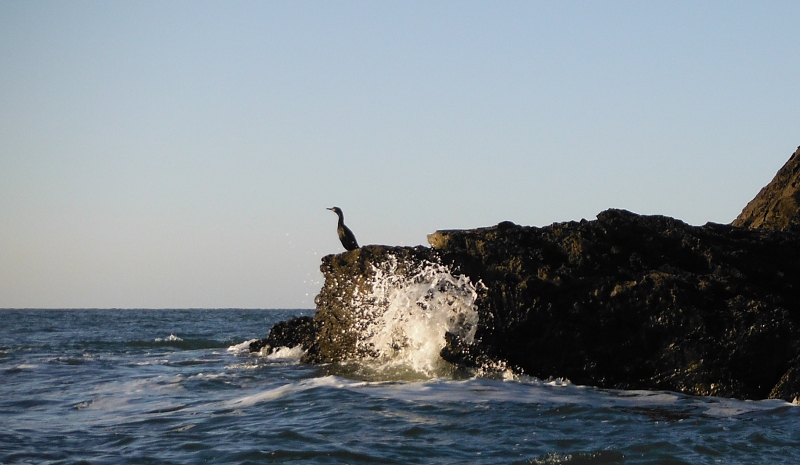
(171,338)
(403,319)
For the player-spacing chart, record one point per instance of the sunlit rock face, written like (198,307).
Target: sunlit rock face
(624,301)
(777,206)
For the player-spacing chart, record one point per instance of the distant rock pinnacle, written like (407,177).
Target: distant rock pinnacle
(777,206)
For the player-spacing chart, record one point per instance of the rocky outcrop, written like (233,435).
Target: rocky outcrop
(298,331)
(777,206)
(639,302)
(625,301)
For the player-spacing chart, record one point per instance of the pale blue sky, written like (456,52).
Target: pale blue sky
(182,154)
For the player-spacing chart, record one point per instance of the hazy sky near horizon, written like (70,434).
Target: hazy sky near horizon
(182,154)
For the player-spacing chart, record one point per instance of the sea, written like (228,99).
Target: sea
(121,386)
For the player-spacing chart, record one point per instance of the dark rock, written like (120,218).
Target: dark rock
(626,301)
(638,302)
(777,206)
(298,331)
(788,387)
(475,355)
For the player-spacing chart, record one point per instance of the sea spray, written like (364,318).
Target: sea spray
(402,318)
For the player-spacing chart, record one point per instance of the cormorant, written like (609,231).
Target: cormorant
(345,235)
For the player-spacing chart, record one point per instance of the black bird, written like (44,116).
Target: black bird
(345,235)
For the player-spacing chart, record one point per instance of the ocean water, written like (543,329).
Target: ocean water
(178,386)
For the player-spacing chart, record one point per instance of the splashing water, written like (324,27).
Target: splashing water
(409,311)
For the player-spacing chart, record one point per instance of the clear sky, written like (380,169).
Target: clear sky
(182,154)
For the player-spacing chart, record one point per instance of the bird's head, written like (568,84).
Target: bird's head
(336,210)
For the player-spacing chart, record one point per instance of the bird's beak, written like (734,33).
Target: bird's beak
(329,209)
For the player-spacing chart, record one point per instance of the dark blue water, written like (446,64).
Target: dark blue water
(175,386)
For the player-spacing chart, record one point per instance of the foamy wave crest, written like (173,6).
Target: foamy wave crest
(171,338)
(241,349)
(287,354)
(406,315)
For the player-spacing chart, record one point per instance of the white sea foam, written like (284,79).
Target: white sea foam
(171,338)
(26,366)
(660,405)
(250,365)
(241,349)
(289,389)
(287,354)
(207,376)
(406,315)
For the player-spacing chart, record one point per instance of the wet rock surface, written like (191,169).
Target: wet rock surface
(625,301)
(298,331)
(342,311)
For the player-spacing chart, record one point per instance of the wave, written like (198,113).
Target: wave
(180,343)
(287,354)
(660,406)
(242,348)
(404,317)
(290,389)
(171,338)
